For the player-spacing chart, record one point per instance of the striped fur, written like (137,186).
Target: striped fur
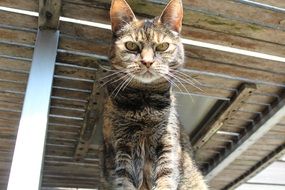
(145,147)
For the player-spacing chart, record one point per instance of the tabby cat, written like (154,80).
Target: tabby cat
(143,143)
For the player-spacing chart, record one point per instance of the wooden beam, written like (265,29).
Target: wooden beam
(92,124)
(207,132)
(256,132)
(273,156)
(49,13)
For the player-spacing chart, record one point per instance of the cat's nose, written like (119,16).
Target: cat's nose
(147,63)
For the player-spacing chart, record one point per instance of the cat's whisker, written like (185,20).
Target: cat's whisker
(122,81)
(169,80)
(187,76)
(130,79)
(124,84)
(112,80)
(115,73)
(107,68)
(188,80)
(177,79)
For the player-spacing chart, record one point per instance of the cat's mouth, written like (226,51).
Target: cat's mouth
(147,76)
(147,73)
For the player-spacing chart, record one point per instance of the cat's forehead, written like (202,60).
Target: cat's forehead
(147,30)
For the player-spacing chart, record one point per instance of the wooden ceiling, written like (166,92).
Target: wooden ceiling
(249,90)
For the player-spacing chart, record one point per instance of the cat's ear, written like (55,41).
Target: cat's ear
(120,14)
(172,15)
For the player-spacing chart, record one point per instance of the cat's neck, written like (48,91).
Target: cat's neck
(139,96)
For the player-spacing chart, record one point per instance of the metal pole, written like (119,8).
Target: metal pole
(29,150)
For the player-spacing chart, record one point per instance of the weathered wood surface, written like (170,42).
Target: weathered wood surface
(198,25)
(276,3)
(94,11)
(229,112)
(198,58)
(92,118)
(259,150)
(83,48)
(49,13)
(14,65)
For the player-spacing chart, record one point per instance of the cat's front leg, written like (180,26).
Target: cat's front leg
(167,167)
(124,169)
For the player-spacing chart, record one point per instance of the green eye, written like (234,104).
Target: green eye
(132,46)
(162,47)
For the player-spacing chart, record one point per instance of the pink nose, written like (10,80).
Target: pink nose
(147,63)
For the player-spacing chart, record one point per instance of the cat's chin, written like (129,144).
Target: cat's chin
(147,78)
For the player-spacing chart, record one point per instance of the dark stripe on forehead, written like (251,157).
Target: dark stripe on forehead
(148,24)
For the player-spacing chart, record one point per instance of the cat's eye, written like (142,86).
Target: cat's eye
(162,47)
(132,46)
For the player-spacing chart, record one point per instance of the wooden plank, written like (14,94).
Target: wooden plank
(14,64)
(31,5)
(65,121)
(9,114)
(92,11)
(55,134)
(235,59)
(197,32)
(53,126)
(230,40)
(59,152)
(67,152)
(276,3)
(9,122)
(11,97)
(54,183)
(79,60)
(67,168)
(62,159)
(72,83)
(16,50)
(253,107)
(219,68)
(258,131)
(55,101)
(18,36)
(66,93)
(271,141)
(11,105)
(62,142)
(85,45)
(19,21)
(87,32)
(12,86)
(269,159)
(262,98)
(74,72)
(66,112)
(204,135)
(49,12)
(238,11)
(13,76)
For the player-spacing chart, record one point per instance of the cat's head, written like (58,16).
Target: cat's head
(146,50)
